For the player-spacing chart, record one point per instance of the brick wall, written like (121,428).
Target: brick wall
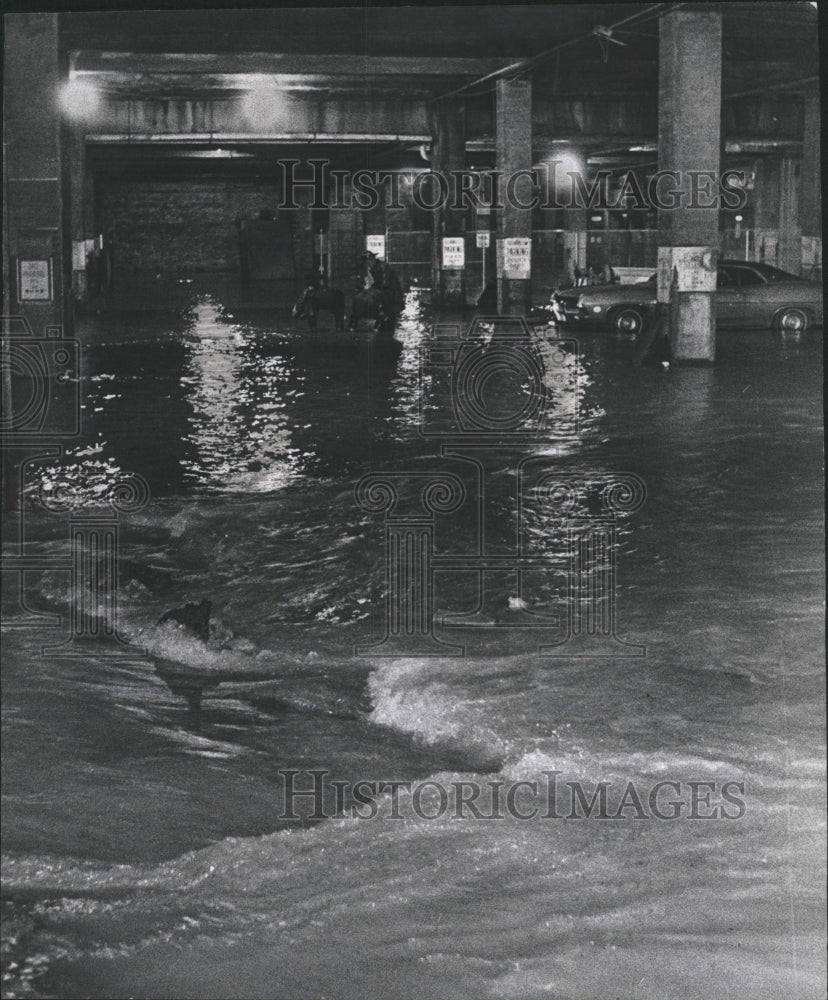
(188,226)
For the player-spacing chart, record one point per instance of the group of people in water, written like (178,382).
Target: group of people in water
(382,279)
(378,296)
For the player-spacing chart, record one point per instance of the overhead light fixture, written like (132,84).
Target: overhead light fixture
(566,162)
(263,105)
(217,154)
(80,100)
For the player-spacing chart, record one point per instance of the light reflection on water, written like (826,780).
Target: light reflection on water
(212,403)
(238,427)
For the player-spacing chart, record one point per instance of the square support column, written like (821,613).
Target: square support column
(575,240)
(790,233)
(346,237)
(513,140)
(689,125)
(33,241)
(79,192)
(448,155)
(810,202)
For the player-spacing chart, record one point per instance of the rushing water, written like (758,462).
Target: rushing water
(147,851)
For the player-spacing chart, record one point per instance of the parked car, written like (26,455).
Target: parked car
(747,295)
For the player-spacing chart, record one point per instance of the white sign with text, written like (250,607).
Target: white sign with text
(517,257)
(376,244)
(454,251)
(34,280)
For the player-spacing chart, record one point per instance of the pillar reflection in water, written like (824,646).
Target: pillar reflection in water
(590,620)
(501,393)
(409,502)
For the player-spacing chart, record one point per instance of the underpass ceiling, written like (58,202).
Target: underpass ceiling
(413,54)
(500,31)
(356,51)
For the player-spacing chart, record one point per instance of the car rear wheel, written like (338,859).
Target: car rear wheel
(792,321)
(628,319)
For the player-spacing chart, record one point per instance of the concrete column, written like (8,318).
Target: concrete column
(766,210)
(80,199)
(689,112)
(810,201)
(448,153)
(513,139)
(575,239)
(790,234)
(32,193)
(376,223)
(346,237)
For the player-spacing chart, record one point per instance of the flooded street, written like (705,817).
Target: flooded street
(149,851)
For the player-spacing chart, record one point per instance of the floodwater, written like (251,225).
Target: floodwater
(146,848)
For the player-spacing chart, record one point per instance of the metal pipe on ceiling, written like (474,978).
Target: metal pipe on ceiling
(524,64)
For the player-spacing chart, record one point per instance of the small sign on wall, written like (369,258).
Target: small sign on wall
(454,252)
(692,268)
(78,255)
(517,257)
(483,239)
(34,280)
(376,244)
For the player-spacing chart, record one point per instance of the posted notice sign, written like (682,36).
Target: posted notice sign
(376,244)
(454,251)
(517,257)
(78,255)
(483,239)
(34,280)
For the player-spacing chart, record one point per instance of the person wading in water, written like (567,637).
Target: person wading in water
(387,284)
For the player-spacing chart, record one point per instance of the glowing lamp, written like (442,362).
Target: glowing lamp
(80,100)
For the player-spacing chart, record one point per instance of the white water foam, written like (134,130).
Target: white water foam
(416,696)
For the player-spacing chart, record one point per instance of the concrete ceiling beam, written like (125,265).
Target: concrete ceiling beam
(199,139)
(224,87)
(254,64)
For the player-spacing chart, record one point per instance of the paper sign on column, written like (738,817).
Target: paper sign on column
(376,244)
(517,257)
(454,251)
(34,280)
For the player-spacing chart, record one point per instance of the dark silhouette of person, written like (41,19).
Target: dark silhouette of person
(387,284)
